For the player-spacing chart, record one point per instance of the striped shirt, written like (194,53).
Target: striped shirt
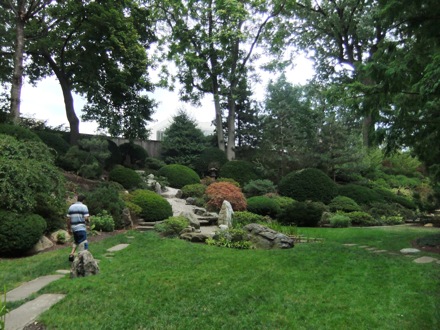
(77,213)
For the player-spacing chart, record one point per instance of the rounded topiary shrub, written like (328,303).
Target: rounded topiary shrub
(154,207)
(363,219)
(133,155)
(115,155)
(55,141)
(218,192)
(127,177)
(209,158)
(340,221)
(308,184)
(195,190)
(172,226)
(19,232)
(106,198)
(303,214)
(391,197)
(259,187)
(239,170)
(282,201)
(263,205)
(243,218)
(360,194)
(179,175)
(343,203)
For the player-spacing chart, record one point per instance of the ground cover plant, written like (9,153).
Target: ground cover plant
(151,284)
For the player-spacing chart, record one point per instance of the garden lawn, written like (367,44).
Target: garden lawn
(160,283)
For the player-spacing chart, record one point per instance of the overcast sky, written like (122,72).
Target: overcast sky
(45,100)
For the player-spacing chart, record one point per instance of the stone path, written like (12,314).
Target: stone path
(408,252)
(18,318)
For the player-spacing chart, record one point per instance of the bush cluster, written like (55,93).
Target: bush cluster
(308,184)
(264,206)
(232,238)
(19,232)
(172,227)
(259,187)
(239,170)
(55,141)
(133,155)
(343,203)
(339,220)
(209,158)
(19,132)
(125,176)
(195,190)
(360,218)
(360,194)
(302,214)
(153,206)
(243,218)
(102,222)
(179,175)
(218,192)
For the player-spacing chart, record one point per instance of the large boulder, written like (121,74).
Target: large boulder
(225,214)
(266,238)
(42,244)
(84,265)
(193,221)
(193,236)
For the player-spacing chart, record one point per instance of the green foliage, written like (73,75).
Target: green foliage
(343,203)
(102,222)
(259,187)
(179,175)
(239,170)
(379,209)
(3,309)
(19,132)
(263,205)
(61,237)
(229,180)
(360,194)
(125,176)
(209,158)
(28,179)
(218,192)
(183,142)
(172,226)
(154,163)
(231,238)
(55,141)
(282,201)
(360,218)
(302,214)
(106,198)
(154,207)
(196,190)
(340,221)
(243,218)
(391,197)
(19,232)
(115,157)
(391,220)
(133,155)
(308,184)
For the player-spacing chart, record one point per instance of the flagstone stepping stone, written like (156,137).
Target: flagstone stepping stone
(380,251)
(363,246)
(409,251)
(424,260)
(63,271)
(28,288)
(371,249)
(18,318)
(349,244)
(118,247)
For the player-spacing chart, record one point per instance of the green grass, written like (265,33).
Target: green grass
(172,284)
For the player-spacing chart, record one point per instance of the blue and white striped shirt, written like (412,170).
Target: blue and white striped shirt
(77,213)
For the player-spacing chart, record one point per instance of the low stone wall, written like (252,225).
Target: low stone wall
(153,147)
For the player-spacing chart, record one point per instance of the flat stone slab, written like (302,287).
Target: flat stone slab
(424,260)
(349,244)
(118,247)
(27,313)
(409,251)
(28,288)
(379,251)
(63,271)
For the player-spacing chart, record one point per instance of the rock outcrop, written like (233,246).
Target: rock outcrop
(266,238)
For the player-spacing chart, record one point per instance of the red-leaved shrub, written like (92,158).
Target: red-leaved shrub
(217,192)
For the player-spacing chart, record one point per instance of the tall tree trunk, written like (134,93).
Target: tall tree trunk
(230,148)
(219,122)
(366,128)
(17,76)
(68,99)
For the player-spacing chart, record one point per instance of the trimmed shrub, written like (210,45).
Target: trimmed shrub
(360,218)
(393,198)
(207,181)
(172,226)
(263,205)
(74,159)
(217,192)
(106,198)
(360,194)
(195,190)
(282,201)
(259,188)
(231,238)
(303,214)
(154,163)
(235,183)
(19,232)
(154,207)
(209,158)
(179,175)
(127,177)
(392,220)
(102,222)
(14,149)
(340,221)
(133,155)
(243,218)
(343,203)
(115,155)
(239,170)
(55,141)
(308,184)
(379,209)
(19,132)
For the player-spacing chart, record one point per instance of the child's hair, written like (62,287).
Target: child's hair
(81,198)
